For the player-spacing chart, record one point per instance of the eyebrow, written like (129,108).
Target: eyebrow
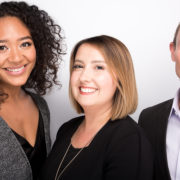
(3,41)
(98,61)
(20,39)
(94,61)
(26,37)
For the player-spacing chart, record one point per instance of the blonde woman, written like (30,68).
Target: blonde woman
(105,143)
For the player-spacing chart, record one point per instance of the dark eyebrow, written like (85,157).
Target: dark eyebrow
(24,38)
(20,39)
(3,41)
(77,60)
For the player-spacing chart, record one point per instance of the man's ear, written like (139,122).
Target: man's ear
(172,48)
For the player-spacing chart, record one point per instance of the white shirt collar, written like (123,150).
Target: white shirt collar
(175,106)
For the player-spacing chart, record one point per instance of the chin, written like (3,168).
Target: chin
(86,106)
(18,84)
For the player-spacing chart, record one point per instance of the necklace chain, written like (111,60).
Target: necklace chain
(58,176)
(60,164)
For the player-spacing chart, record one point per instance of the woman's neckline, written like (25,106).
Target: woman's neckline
(88,144)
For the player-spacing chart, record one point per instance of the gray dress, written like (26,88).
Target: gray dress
(14,164)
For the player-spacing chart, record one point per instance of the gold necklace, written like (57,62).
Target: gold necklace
(58,176)
(60,164)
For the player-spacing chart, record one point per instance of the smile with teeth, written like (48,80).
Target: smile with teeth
(87,90)
(15,69)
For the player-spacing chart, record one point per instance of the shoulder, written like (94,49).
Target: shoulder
(154,119)
(157,108)
(41,104)
(125,130)
(128,136)
(150,115)
(39,101)
(125,126)
(37,98)
(69,125)
(73,122)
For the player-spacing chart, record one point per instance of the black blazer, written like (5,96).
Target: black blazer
(154,121)
(119,151)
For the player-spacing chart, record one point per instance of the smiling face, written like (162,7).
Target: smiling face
(17,52)
(91,82)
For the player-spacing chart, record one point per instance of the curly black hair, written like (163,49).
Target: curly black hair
(48,42)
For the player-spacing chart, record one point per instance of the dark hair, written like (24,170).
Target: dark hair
(47,38)
(176,33)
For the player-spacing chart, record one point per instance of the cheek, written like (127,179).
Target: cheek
(177,65)
(109,85)
(112,89)
(73,80)
(177,55)
(75,77)
(1,62)
(32,55)
(3,59)
(106,81)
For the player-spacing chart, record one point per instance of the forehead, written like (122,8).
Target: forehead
(11,26)
(89,52)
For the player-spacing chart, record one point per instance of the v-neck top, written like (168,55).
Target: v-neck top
(14,163)
(37,154)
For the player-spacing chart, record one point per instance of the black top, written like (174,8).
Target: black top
(118,151)
(36,154)
(72,152)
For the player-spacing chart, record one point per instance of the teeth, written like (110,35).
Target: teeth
(87,90)
(15,70)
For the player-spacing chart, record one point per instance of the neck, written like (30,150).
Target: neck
(95,117)
(14,93)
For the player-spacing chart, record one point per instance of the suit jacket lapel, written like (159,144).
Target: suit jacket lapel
(161,138)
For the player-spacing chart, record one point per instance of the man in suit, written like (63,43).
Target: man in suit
(162,126)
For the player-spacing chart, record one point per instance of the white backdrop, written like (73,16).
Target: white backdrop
(145,26)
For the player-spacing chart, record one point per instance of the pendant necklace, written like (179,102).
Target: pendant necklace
(60,164)
(60,174)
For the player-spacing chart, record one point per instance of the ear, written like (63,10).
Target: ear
(172,50)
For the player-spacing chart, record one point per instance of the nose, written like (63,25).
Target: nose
(86,75)
(15,55)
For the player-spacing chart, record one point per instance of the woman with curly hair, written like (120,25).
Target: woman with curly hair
(30,51)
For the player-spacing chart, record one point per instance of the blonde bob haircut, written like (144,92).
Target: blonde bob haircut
(119,62)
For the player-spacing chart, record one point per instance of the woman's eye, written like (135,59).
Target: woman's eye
(77,66)
(99,67)
(3,48)
(26,44)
